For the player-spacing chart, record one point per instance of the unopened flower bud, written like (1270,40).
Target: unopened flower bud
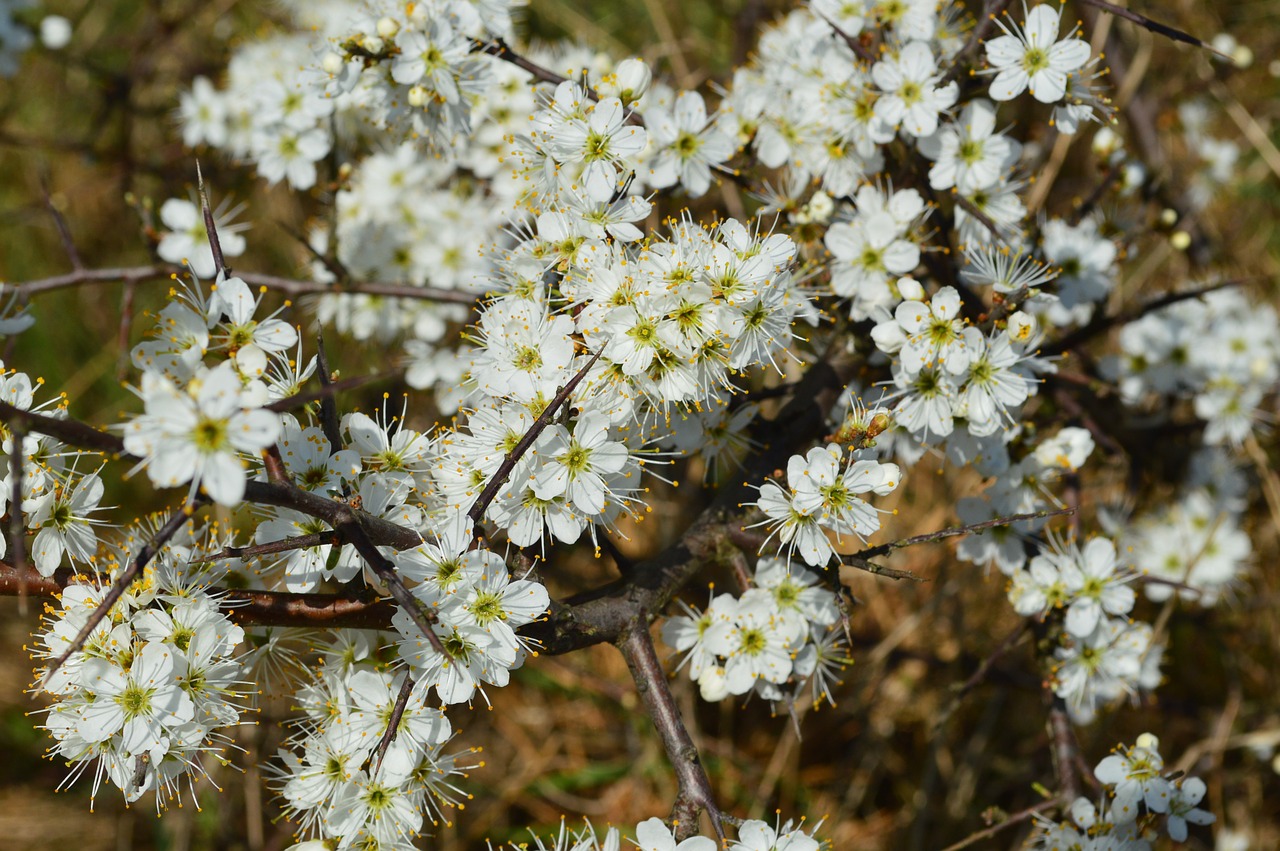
(1106,143)
(332,63)
(910,290)
(1021,326)
(713,684)
(1180,241)
(821,206)
(388,27)
(878,424)
(418,96)
(55,32)
(633,79)
(373,45)
(1168,217)
(1147,741)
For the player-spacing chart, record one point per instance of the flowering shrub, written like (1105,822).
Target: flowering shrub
(805,287)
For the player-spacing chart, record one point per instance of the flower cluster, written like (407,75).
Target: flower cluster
(475,608)
(1138,799)
(782,631)
(337,783)
(59,499)
(1194,546)
(157,683)
(821,495)
(1165,354)
(1102,654)
(201,421)
(654,835)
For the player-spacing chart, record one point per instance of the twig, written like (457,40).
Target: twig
(382,567)
(247,608)
(328,406)
(210,227)
(284,545)
(985,220)
(499,478)
(1124,317)
(695,793)
(884,549)
(68,431)
(1153,26)
(879,569)
(176,521)
(17,533)
(854,44)
(60,222)
(1015,819)
(393,723)
(288,286)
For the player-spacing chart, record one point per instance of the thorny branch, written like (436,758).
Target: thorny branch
(695,795)
(288,286)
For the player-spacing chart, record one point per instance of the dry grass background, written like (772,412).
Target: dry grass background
(566,738)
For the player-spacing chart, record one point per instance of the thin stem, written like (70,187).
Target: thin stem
(1124,317)
(884,549)
(1015,819)
(284,545)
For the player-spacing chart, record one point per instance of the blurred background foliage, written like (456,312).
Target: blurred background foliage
(898,764)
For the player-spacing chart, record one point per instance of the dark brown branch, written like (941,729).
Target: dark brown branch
(17,531)
(288,286)
(393,723)
(695,793)
(284,495)
(328,405)
(352,530)
(499,477)
(247,608)
(1153,26)
(284,545)
(1102,323)
(210,227)
(69,431)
